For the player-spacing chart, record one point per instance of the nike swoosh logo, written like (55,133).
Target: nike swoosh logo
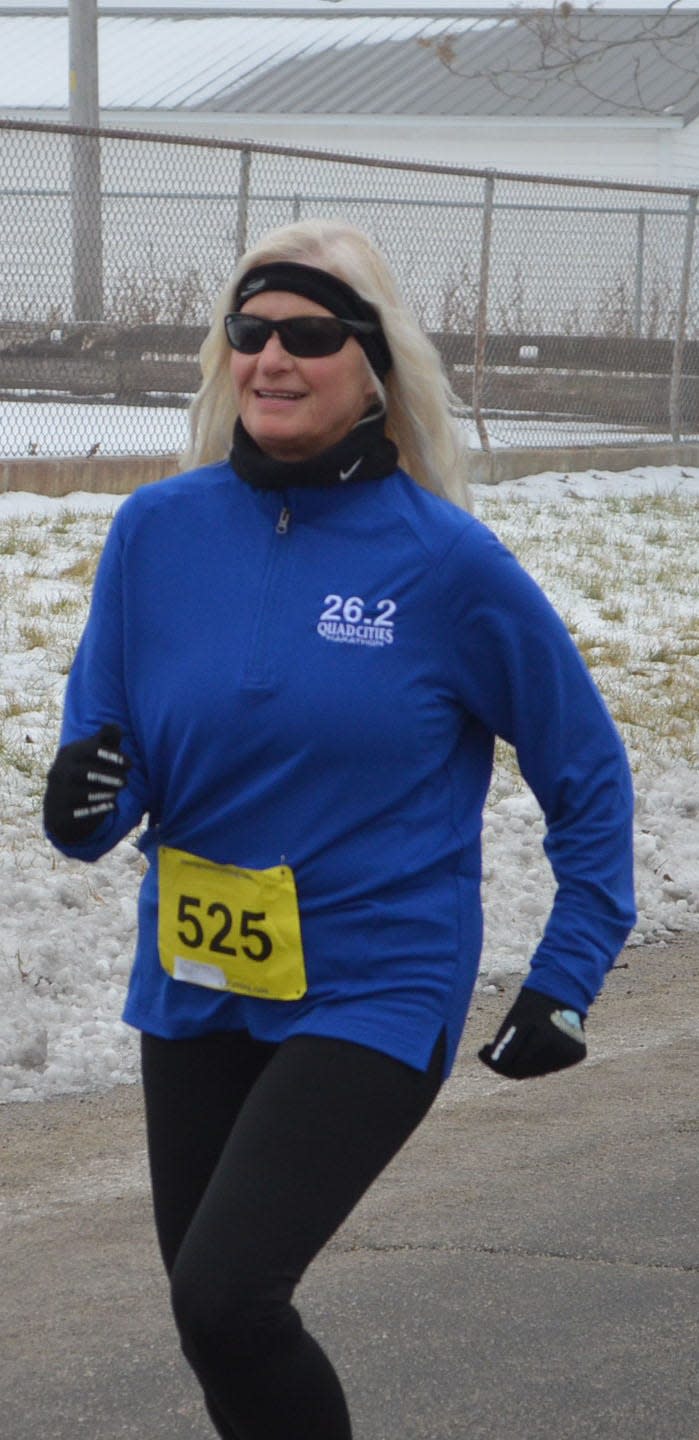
(252,287)
(345,474)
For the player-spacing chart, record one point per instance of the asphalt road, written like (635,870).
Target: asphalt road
(527,1269)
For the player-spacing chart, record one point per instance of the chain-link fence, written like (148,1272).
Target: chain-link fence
(566,311)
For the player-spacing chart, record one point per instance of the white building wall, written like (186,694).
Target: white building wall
(600,149)
(685,155)
(658,151)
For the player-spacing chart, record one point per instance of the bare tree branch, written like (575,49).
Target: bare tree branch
(560,44)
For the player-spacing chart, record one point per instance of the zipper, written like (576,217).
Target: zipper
(260,668)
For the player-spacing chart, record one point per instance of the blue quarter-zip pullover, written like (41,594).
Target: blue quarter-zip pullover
(316,678)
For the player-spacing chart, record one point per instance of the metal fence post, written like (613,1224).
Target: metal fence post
(482,312)
(640,258)
(681,328)
(85,166)
(241,229)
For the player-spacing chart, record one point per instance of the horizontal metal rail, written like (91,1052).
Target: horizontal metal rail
(343,157)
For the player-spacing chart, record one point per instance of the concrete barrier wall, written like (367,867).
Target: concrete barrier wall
(109,474)
(119,475)
(502,465)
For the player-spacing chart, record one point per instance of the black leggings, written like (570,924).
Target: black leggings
(258,1153)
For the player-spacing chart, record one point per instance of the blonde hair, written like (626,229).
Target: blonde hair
(418,398)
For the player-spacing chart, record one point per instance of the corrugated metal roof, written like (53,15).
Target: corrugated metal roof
(595,65)
(601,66)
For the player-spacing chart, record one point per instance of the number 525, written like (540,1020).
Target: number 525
(192,934)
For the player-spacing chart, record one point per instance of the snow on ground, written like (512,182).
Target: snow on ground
(58,429)
(55,428)
(619,557)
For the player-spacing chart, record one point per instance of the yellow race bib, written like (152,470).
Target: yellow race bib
(230,929)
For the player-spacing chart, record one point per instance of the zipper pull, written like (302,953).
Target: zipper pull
(283,522)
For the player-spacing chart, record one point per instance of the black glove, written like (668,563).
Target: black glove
(83,784)
(538,1035)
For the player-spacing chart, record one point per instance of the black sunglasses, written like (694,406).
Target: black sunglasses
(307,336)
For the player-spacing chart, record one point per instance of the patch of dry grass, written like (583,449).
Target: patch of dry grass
(623,571)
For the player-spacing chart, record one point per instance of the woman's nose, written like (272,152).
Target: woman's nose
(273,352)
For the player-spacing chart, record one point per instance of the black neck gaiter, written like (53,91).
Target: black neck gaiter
(365,453)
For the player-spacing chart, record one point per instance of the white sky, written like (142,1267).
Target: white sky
(639,5)
(61,6)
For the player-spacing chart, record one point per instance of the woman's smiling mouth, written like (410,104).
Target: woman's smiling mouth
(279,394)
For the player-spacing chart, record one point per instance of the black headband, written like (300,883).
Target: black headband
(335,295)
